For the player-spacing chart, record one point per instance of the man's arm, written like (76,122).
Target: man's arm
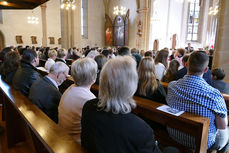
(221,123)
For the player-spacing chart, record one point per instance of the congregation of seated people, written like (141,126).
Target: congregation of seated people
(105,123)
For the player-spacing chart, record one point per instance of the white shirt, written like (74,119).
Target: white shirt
(159,71)
(49,63)
(70,108)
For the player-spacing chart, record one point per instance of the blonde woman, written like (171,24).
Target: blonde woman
(107,123)
(52,54)
(84,72)
(149,86)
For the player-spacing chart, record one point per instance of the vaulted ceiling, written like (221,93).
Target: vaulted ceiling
(20,4)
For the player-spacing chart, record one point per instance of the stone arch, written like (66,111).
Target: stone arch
(2,41)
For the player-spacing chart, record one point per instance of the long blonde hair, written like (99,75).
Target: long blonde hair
(147,77)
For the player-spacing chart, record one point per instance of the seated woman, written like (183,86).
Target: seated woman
(9,66)
(71,103)
(148,85)
(52,54)
(100,60)
(161,63)
(171,72)
(108,125)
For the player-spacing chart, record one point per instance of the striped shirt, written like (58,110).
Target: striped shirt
(193,94)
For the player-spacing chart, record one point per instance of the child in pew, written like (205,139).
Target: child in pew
(218,75)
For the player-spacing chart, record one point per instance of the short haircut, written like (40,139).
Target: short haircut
(123,51)
(118,83)
(134,51)
(197,62)
(52,53)
(100,60)
(106,52)
(148,53)
(29,55)
(61,53)
(58,67)
(219,73)
(84,71)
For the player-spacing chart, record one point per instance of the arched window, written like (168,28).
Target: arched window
(84,18)
(193,20)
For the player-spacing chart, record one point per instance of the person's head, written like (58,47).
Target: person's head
(84,71)
(11,62)
(4,52)
(162,57)
(52,54)
(198,63)
(211,52)
(100,60)
(62,53)
(123,51)
(180,52)
(218,74)
(185,60)
(189,45)
(106,53)
(118,83)
(174,65)
(148,53)
(60,71)
(171,71)
(134,51)
(147,76)
(30,56)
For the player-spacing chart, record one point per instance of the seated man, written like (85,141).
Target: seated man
(217,80)
(61,55)
(189,48)
(193,94)
(27,73)
(44,92)
(182,72)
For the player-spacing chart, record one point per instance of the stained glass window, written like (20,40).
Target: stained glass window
(193,20)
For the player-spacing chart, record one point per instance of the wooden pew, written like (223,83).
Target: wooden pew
(148,109)
(26,122)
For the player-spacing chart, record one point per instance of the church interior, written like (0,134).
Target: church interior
(78,25)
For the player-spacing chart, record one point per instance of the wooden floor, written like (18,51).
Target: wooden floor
(19,148)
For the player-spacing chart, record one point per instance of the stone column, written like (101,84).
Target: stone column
(44,25)
(221,55)
(71,27)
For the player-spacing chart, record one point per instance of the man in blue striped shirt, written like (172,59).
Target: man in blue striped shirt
(193,94)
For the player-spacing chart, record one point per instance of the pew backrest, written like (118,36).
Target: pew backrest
(46,135)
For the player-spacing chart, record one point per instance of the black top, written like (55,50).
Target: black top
(46,96)
(24,77)
(7,77)
(221,86)
(105,132)
(182,72)
(158,95)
